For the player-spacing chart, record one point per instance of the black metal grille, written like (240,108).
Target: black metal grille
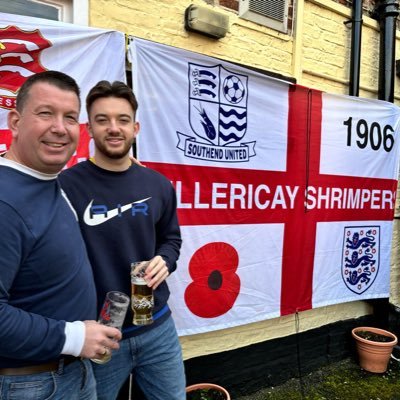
(269,8)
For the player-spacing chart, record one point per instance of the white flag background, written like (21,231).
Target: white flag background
(29,45)
(285,194)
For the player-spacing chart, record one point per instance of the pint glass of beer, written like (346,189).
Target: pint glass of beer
(112,314)
(142,300)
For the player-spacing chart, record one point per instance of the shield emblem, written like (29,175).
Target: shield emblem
(217,104)
(20,53)
(360,257)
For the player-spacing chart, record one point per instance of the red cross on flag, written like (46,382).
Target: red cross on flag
(30,45)
(286,194)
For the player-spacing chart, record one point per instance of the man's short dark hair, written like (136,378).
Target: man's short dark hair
(107,89)
(54,78)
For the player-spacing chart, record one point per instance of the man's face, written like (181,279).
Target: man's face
(112,126)
(46,132)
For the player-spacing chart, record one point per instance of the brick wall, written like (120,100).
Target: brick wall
(369,6)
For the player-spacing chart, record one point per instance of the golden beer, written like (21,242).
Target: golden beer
(142,302)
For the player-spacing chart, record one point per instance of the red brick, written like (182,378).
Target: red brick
(232,4)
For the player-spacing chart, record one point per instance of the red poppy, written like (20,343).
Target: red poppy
(215,285)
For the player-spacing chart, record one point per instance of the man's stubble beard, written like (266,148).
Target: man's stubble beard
(114,155)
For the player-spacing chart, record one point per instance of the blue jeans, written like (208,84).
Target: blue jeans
(155,360)
(73,382)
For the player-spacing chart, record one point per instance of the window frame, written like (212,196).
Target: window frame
(71,11)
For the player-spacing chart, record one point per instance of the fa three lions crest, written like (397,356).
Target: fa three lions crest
(360,257)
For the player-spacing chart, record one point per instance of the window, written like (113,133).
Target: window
(75,11)
(271,13)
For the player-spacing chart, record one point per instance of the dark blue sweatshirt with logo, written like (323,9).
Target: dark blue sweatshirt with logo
(125,217)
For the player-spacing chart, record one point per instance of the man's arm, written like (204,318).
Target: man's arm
(169,242)
(30,336)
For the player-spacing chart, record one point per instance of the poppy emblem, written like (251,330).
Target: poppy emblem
(215,285)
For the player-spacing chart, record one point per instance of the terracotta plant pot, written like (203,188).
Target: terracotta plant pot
(374,355)
(199,386)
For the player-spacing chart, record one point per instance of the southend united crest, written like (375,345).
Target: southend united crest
(217,115)
(360,257)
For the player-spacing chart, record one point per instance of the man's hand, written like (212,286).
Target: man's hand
(136,161)
(156,272)
(99,339)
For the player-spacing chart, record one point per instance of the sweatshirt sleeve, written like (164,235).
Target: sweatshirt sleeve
(23,335)
(168,232)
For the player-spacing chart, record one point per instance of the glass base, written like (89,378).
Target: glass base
(142,320)
(105,359)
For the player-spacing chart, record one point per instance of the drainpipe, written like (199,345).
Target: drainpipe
(387,12)
(354,84)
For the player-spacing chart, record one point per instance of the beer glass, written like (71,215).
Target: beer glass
(142,300)
(112,314)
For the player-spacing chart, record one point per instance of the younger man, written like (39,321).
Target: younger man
(127,213)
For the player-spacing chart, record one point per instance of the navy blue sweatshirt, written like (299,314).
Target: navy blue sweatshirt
(45,276)
(125,217)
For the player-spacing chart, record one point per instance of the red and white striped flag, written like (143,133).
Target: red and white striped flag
(30,45)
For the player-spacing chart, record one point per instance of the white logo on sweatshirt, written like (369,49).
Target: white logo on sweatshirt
(98,214)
